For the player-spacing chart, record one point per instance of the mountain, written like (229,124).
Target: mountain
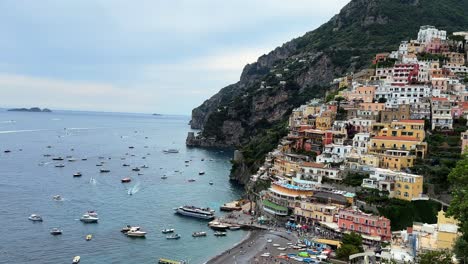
(32,109)
(250,115)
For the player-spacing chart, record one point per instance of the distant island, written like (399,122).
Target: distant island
(32,109)
(157,114)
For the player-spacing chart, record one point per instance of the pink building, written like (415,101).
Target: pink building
(437,46)
(368,225)
(364,93)
(405,73)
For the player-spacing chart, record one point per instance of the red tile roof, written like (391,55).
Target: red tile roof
(396,138)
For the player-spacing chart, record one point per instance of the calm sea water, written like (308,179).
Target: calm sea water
(28,181)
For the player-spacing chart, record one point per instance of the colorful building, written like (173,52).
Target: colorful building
(371,227)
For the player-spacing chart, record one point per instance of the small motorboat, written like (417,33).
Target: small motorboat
(168,151)
(187,161)
(78,174)
(131,147)
(126,165)
(211,183)
(84,159)
(199,234)
(136,169)
(7,151)
(46,155)
(175,236)
(72,159)
(126,179)
(220,233)
(55,231)
(233,228)
(218,226)
(35,218)
(144,167)
(191,180)
(202,159)
(99,165)
(135,232)
(164,177)
(104,170)
(57,198)
(127,228)
(140,174)
(76,260)
(168,230)
(57,158)
(86,218)
(101,157)
(201,173)
(89,237)
(60,165)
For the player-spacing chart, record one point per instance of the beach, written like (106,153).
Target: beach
(254,245)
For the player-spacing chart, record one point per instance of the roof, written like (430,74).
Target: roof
(412,121)
(396,138)
(313,165)
(274,206)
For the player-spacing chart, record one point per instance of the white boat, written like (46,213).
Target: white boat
(135,232)
(55,231)
(168,230)
(78,174)
(144,167)
(164,177)
(127,228)
(35,218)
(76,260)
(199,234)
(233,228)
(92,213)
(201,173)
(175,236)
(211,183)
(220,233)
(86,218)
(168,151)
(218,226)
(192,211)
(57,198)
(72,159)
(60,165)
(104,170)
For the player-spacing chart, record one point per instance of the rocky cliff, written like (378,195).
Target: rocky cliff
(243,114)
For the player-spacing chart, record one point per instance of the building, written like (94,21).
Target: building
(370,227)
(392,114)
(405,73)
(398,160)
(310,169)
(334,153)
(441,117)
(427,34)
(311,211)
(360,143)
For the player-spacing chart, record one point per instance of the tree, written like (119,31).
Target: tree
(350,244)
(439,257)
(458,208)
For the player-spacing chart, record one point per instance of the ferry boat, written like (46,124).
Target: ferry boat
(192,211)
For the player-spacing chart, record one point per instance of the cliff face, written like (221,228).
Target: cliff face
(303,68)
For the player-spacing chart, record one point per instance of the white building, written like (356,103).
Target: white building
(333,153)
(397,95)
(441,116)
(428,33)
(360,143)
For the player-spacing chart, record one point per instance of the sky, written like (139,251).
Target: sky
(140,56)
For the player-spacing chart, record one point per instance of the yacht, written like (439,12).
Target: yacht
(175,236)
(168,230)
(55,231)
(72,159)
(127,228)
(35,218)
(220,233)
(199,234)
(92,213)
(76,260)
(78,174)
(192,211)
(167,151)
(201,173)
(86,218)
(144,167)
(126,179)
(135,232)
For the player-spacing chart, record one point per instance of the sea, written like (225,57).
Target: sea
(29,180)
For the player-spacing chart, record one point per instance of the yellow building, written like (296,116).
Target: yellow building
(325,121)
(380,144)
(408,186)
(285,167)
(309,211)
(405,128)
(397,160)
(447,231)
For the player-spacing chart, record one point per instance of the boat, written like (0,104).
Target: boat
(140,173)
(199,234)
(126,179)
(191,180)
(60,165)
(217,226)
(201,173)
(220,233)
(86,218)
(126,165)
(197,212)
(135,232)
(89,237)
(127,228)
(131,147)
(164,177)
(144,166)
(46,155)
(76,260)
(168,151)
(104,170)
(84,159)
(202,159)
(136,169)
(175,236)
(57,158)
(78,174)
(72,159)
(68,157)
(170,261)
(57,197)
(187,161)
(55,231)
(92,213)
(234,228)
(35,218)
(99,165)
(168,230)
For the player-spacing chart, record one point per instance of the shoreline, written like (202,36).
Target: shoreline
(250,234)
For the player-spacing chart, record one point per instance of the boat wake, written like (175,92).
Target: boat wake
(135,188)
(7,121)
(21,131)
(92,181)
